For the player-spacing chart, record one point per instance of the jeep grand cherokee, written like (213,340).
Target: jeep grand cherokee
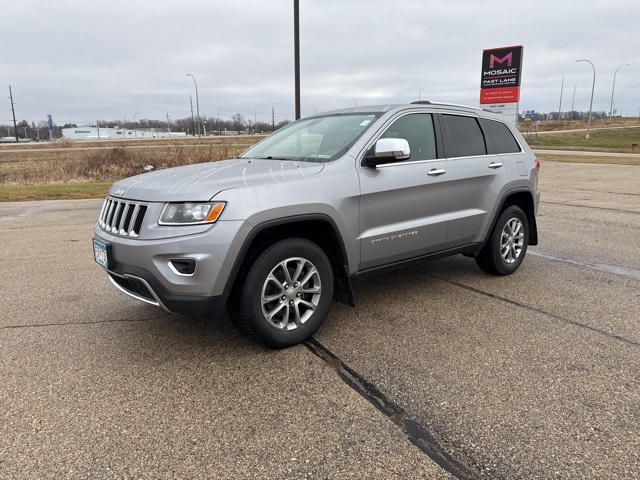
(279,232)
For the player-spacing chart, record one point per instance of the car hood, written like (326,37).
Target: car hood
(203,181)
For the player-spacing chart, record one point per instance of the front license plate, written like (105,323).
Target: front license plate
(100,253)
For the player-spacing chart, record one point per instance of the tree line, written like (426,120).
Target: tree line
(567,116)
(208,126)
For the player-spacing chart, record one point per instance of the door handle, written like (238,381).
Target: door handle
(495,164)
(434,172)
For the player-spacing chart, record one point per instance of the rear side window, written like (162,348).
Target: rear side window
(464,136)
(499,138)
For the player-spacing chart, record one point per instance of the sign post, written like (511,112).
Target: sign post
(500,80)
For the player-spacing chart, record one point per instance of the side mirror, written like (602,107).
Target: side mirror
(388,150)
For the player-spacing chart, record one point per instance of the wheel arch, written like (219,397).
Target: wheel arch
(524,200)
(318,228)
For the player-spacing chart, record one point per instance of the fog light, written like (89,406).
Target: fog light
(182,266)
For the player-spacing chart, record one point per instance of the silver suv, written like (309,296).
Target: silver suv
(279,232)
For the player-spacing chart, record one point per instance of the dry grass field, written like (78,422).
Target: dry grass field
(66,169)
(86,169)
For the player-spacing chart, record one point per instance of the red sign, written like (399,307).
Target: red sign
(500,95)
(501,70)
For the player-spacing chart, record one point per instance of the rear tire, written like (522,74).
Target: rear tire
(284,294)
(507,245)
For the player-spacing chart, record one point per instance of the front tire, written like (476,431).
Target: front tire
(284,295)
(507,245)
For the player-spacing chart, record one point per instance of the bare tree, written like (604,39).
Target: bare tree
(238,121)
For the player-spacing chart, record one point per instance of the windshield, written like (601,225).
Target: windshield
(317,139)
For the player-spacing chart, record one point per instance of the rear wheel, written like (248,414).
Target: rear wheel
(284,295)
(507,245)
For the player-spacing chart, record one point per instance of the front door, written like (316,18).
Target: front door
(404,205)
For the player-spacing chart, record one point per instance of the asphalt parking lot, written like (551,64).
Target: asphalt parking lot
(440,372)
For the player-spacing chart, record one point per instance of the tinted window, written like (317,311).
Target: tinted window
(417,129)
(464,137)
(499,138)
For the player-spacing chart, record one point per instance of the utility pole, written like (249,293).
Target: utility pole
(168,126)
(13,111)
(50,122)
(273,119)
(561,89)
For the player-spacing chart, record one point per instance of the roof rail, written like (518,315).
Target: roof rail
(427,102)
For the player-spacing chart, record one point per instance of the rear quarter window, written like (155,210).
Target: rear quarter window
(499,137)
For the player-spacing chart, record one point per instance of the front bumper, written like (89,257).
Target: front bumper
(146,269)
(143,286)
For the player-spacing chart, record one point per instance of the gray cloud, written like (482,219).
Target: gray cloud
(110,59)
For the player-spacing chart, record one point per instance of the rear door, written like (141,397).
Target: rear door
(404,205)
(478,179)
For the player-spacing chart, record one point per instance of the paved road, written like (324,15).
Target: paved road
(440,372)
(587,154)
(584,129)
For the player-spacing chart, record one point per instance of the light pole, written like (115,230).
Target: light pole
(135,130)
(355,102)
(255,110)
(296,53)
(219,132)
(614,87)
(593,87)
(420,94)
(561,89)
(614,104)
(572,103)
(197,102)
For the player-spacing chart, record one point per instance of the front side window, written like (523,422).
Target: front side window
(464,137)
(317,139)
(417,129)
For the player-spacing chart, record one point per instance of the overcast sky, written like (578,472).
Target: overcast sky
(108,60)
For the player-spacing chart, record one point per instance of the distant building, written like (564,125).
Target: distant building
(94,133)
(13,140)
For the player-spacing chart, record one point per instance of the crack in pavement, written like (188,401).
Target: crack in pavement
(37,325)
(566,204)
(602,267)
(606,191)
(538,310)
(414,431)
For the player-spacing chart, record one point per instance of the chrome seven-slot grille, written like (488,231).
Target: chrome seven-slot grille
(121,217)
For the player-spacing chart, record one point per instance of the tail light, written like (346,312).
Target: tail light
(537,162)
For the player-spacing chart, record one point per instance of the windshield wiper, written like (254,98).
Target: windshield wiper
(271,157)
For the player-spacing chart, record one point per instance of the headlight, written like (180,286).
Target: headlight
(190,213)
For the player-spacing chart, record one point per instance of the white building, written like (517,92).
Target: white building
(94,133)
